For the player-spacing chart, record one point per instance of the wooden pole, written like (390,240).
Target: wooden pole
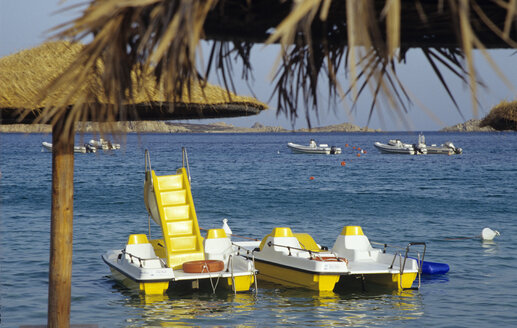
(61,227)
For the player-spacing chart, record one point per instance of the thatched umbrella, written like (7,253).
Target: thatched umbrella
(27,75)
(24,81)
(502,117)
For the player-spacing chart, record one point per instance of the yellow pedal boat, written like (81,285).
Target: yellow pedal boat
(296,260)
(371,265)
(182,256)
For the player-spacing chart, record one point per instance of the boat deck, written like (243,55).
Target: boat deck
(181,275)
(369,267)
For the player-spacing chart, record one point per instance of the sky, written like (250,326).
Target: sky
(25,24)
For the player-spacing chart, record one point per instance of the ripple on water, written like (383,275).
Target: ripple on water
(255,182)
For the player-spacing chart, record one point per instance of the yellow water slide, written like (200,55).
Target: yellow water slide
(168,199)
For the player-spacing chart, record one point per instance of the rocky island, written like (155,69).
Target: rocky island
(168,127)
(219,127)
(468,126)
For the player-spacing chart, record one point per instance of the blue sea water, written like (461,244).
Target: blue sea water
(257,183)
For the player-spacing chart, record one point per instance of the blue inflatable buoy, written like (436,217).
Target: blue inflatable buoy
(434,267)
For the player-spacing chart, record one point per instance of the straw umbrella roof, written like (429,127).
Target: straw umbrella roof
(28,92)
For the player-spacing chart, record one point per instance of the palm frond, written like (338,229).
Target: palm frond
(319,39)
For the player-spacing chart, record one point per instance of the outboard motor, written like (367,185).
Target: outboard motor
(419,149)
(455,149)
(333,149)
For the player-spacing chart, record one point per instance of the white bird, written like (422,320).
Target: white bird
(489,234)
(226,228)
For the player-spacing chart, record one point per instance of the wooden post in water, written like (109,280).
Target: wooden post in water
(61,227)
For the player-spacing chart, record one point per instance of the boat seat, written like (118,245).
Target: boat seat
(138,248)
(282,239)
(353,244)
(283,244)
(144,251)
(358,243)
(218,246)
(159,248)
(307,242)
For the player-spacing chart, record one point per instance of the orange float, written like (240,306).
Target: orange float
(330,259)
(311,178)
(343,163)
(358,155)
(203,266)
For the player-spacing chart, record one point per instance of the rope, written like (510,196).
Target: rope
(461,238)
(420,262)
(230,261)
(205,266)
(184,160)
(401,271)
(243,237)
(254,274)
(149,224)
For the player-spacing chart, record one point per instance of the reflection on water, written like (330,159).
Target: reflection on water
(178,308)
(273,306)
(490,247)
(434,279)
(258,193)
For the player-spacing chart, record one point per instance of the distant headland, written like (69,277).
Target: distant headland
(169,127)
(469,126)
(219,127)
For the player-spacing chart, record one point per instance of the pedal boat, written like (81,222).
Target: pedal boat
(295,260)
(373,265)
(182,257)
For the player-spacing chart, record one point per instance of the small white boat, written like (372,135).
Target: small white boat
(296,260)
(103,144)
(77,149)
(395,146)
(313,148)
(446,148)
(182,257)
